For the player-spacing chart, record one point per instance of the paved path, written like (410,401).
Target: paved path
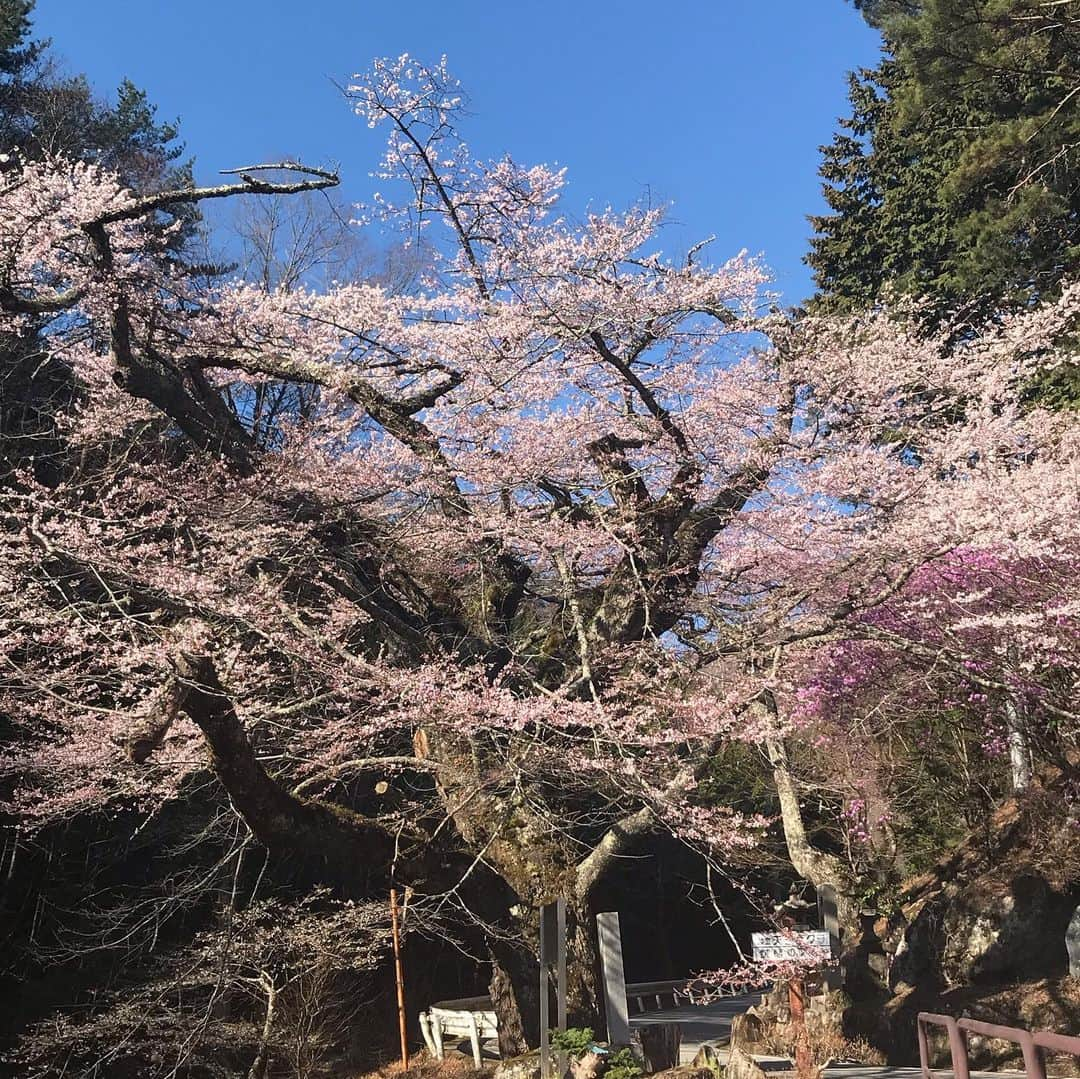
(710,1024)
(702,1024)
(863,1071)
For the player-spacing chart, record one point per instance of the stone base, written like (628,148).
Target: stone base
(523,1067)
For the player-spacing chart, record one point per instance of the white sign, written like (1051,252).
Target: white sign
(799,945)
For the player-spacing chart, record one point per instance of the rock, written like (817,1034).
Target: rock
(741,1065)
(523,1067)
(767,1027)
(747,1029)
(660,1045)
(989,930)
(996,908)
(587,1066)
(706,1059)
(1072,944)
(687,1071)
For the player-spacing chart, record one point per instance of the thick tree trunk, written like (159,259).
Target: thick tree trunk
(533,863)
(340,846)
(515,989)
(515,981)
(325,842)
(583,977)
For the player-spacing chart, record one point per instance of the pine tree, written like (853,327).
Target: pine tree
(16,51)
(889,224)
(956,176)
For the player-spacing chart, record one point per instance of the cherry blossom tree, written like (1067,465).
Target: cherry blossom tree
(551,527)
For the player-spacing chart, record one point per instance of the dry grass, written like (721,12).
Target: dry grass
(827,1045)
(422,1066)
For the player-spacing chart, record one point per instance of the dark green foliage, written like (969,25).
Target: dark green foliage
(956,176)
(44,110)
(891,222)
(573,1040)
(16,51)
(60,114)
(874,11)
(940,797)
(738,776)
(620,1063)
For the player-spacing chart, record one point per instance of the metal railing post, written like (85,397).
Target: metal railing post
(924,1047)
(957,1045)
(1033,1062)
(1031,1044)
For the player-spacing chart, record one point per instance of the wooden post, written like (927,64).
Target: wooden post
(829,917)
(797,1005)
(400,978)
(660,1044)
(560,980)
(618,1019)
(552,961)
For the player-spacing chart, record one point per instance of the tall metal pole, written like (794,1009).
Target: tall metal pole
(399,977)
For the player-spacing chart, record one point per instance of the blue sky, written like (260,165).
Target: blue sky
(717,106)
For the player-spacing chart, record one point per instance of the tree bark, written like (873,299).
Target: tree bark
(262,1057)
(818,867)
(343,845)
(515,994)
(582,967)
(615,842)
(1019,751)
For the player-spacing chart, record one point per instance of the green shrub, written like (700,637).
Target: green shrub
(620,1062)
(574,1041)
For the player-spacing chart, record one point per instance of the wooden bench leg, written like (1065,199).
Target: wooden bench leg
(436,1034)
(474,1038)
(425,1030)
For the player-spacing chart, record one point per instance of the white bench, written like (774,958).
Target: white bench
(474,1017)
(470,1017)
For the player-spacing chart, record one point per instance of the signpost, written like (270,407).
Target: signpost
(798,944)
(399,978)
(795,945)
(797,1007)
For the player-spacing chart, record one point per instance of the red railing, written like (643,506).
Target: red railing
(1031,1044)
